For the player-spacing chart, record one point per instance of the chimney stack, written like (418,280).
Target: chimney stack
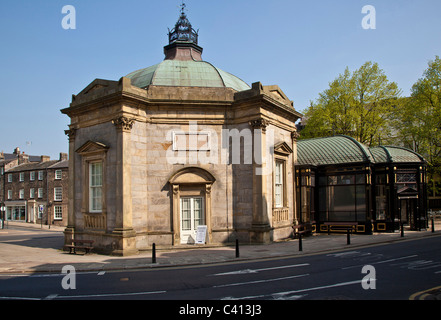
(63,156)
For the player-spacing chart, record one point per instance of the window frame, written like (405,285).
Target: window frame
(60,209)
(92,188)
(58,174)
(279,183)
(58,193)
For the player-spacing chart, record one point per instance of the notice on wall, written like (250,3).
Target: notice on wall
(201,234)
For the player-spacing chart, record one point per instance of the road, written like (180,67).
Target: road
(394,272)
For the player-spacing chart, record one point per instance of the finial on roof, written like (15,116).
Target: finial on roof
(183,8)
(183,30)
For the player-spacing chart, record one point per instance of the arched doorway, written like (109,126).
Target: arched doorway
(191,205)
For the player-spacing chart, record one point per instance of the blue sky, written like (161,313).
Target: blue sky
(299,45)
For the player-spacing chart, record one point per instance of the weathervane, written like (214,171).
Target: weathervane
(183,6)
(183,30)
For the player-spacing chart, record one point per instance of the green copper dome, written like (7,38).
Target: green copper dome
(188,73)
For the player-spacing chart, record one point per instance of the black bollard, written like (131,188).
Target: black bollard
(433,225)
(402,230)
(300,242)
(154,253)
(348,237)
(237,248)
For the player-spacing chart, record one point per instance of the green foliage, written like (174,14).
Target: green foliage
(418,118)
(356,104)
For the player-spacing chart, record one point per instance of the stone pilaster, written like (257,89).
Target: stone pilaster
(70,229)
(295,136)
(261,226)
(125,234)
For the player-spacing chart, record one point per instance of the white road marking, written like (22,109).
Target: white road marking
(259,281)
(259,270)
(380,262)
(19,298)
(289,293)
(111,294)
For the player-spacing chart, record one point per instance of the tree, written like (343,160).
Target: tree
(356,104)
(418,118)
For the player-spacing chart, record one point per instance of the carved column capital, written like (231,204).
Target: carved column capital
(259,124)
(295,135)
(123,123)
(70,134)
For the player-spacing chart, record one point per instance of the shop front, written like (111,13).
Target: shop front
(16,211)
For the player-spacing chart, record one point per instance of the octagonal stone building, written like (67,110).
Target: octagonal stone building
(178,145)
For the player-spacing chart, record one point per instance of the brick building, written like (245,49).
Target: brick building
(34,188)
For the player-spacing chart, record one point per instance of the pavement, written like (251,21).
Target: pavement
(29,248)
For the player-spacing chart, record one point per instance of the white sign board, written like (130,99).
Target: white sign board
(41,208)
(201,233)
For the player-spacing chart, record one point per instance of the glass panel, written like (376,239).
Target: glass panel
(96,174)
(322,199)
(198,212)
(278,190)
(96,199)
(186,214)
(332,180)
(347,179)
(360,179)
(381,202)
(406,177)
(361,202)
(344,199)
(278,195)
